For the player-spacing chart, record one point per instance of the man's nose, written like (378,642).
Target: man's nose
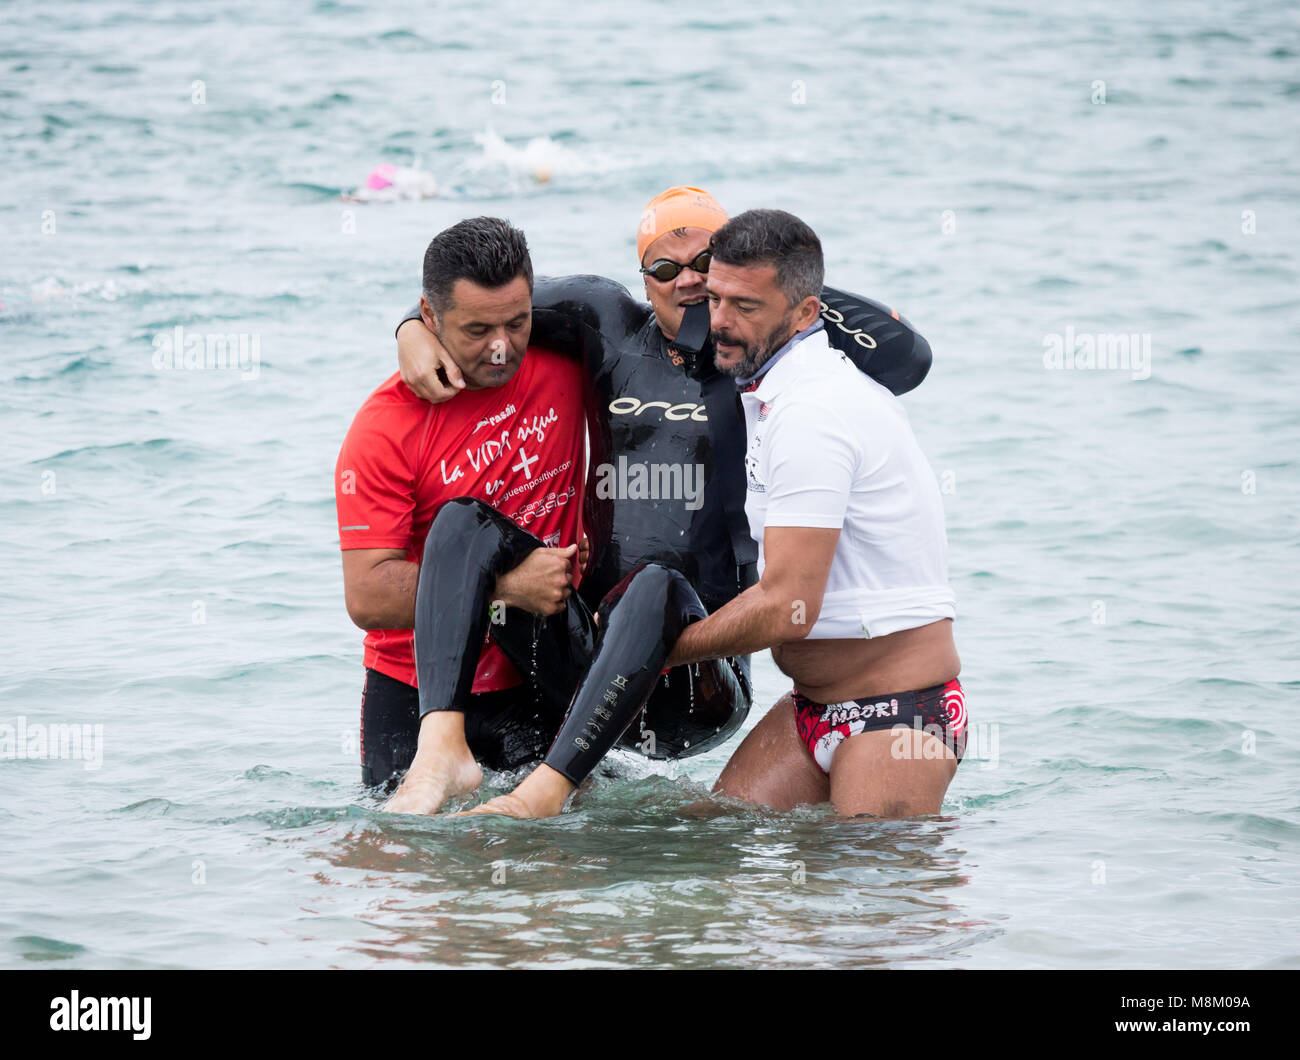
(498,343)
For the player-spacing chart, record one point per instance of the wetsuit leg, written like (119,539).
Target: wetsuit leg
(640,621)
(468,545)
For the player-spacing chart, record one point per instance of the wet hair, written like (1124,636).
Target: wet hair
(487,251)
(774,237)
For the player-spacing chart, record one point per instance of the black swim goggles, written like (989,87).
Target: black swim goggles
(664,270)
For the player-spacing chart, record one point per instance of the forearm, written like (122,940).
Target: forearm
(758,618)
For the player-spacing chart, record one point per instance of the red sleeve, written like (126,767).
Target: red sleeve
(374,488)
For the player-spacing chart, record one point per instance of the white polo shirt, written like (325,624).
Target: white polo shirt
(831,447)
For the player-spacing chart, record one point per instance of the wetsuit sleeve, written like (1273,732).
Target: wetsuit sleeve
(412,314)
(586,314)
(374,491)
(811,463)
(877,339)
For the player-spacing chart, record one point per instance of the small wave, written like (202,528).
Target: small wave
(151,445)
(541,159)
(265,773)
(1253,824)
(40,948)
(317,191)
(76,366)
(290,817)
(405,38)
(156,807)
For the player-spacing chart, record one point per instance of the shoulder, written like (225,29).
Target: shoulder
(597,300)
(544,361)
(584,287)
(825,393)
(389,413)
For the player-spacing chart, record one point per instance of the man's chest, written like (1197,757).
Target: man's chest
(758,415)
(506,453)
(651,403)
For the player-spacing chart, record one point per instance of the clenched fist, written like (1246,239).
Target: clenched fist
(541,583)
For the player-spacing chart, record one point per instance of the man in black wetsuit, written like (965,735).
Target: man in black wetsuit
(661,416)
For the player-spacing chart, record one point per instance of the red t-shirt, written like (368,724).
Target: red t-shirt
(519,447)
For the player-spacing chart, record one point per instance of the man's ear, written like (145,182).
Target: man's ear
(806,315)
(427,314)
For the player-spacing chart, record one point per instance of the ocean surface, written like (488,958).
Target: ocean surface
(1021,183)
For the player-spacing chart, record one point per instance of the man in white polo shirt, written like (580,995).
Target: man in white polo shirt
(853,596)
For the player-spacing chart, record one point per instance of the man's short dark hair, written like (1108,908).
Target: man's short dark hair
(774,237)
(487,251)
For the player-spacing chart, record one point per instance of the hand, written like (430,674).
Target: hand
(541,584)
(584,554)
(425,364)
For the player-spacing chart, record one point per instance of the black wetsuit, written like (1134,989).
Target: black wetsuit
(656,565)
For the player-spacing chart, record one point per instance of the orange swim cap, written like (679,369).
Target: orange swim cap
(679,207)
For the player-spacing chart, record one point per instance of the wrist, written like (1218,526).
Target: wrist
(681,652)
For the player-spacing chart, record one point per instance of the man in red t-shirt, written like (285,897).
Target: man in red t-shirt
(514,440)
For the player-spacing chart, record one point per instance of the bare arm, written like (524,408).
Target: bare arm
(781,608)
(427,367)
(379,587)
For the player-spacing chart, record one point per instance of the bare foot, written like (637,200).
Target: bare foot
(427,786)
(540,794)
(509,805)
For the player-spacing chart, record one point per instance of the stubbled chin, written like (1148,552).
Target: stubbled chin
(726,361)
(498,376)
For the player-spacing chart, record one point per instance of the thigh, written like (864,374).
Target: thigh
(901,772)
(772,767)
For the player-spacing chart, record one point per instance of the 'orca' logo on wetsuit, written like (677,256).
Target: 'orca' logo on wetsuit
(630,406)
(837,318)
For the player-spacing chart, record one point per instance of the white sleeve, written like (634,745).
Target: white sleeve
(812,459)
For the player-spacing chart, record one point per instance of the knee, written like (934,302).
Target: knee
(458,521)
(654,586)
